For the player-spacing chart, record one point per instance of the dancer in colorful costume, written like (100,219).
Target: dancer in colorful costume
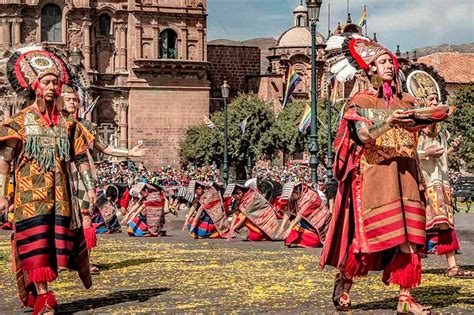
(42,144)
(254,212)
(206,217)
(71,100)
(309,216)
(376,149)
(433,150)
(147,215)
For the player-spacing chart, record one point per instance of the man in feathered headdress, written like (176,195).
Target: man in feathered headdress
(41,144)
(379,213)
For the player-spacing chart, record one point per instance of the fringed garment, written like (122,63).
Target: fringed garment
(379,204)
(213,218)
(107,218)
(312,229)
(47,232)
(260,214)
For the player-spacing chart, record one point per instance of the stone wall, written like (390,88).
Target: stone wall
(234,64)
(160,117)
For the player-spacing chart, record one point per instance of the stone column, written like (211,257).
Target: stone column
(156,40)
(86,25)
(17,31)
(184,42)
(122,34)
(123,124)
(138,40)
(4,33)
(201,44)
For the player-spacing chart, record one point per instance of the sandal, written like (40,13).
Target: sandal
(458,272)
(340,295)
(94,270)
(45,303)
(408,305)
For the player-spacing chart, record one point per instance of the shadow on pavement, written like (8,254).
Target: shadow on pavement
(436,297)
(441,271)
(140,295)
(125,263)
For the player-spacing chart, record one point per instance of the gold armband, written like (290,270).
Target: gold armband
(87,179)
(376,130)
(4,182)
(119,152)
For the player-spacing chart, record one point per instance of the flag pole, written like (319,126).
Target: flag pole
(366,18)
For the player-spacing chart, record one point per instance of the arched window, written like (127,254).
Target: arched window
(168,44)
(51,23)
(301,21)
(104,24)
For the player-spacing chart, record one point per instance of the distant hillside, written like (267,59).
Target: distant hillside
(423,51)
(263,43)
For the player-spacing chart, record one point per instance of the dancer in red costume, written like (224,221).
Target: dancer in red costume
(379,214)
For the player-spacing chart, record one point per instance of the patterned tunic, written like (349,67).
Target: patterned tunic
(46,214)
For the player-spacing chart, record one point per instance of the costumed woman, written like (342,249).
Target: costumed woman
(433,151)
(206,217)
(41,144)
(379,213)
(147,216)
(254,212)
(309,216)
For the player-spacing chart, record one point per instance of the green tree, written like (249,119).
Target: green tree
(461,124)
(203,145)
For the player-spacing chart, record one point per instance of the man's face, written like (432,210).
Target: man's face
(432,100)
(70,102)
(48,86)
(385,67)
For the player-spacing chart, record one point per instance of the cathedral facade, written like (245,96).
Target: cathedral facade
(146,61)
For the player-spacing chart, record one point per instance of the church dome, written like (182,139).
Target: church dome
(299,37)
(300,9)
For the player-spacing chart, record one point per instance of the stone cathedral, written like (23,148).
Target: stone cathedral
(146,61)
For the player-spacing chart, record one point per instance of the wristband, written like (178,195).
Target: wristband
(376,130)
(87,179)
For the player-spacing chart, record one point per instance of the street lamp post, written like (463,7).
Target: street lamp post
(225,94)
(329,175)
(314,7)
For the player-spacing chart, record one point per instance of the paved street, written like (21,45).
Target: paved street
(176,274)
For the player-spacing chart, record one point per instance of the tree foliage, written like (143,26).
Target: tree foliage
(461,124)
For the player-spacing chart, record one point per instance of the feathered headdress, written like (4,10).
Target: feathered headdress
(351,54)
(27,65)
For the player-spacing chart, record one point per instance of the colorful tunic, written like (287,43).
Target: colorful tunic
(48,233)
(152,221)
(439,207)
(260,215)
(312,229)
(379,199)
(213,221)
(106,220)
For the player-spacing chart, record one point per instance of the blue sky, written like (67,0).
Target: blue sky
(409,23)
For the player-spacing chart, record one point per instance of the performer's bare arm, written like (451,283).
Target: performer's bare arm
(6,156)
(293,223)
(285,220)
(190,213)
(136,151)
(234,226)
